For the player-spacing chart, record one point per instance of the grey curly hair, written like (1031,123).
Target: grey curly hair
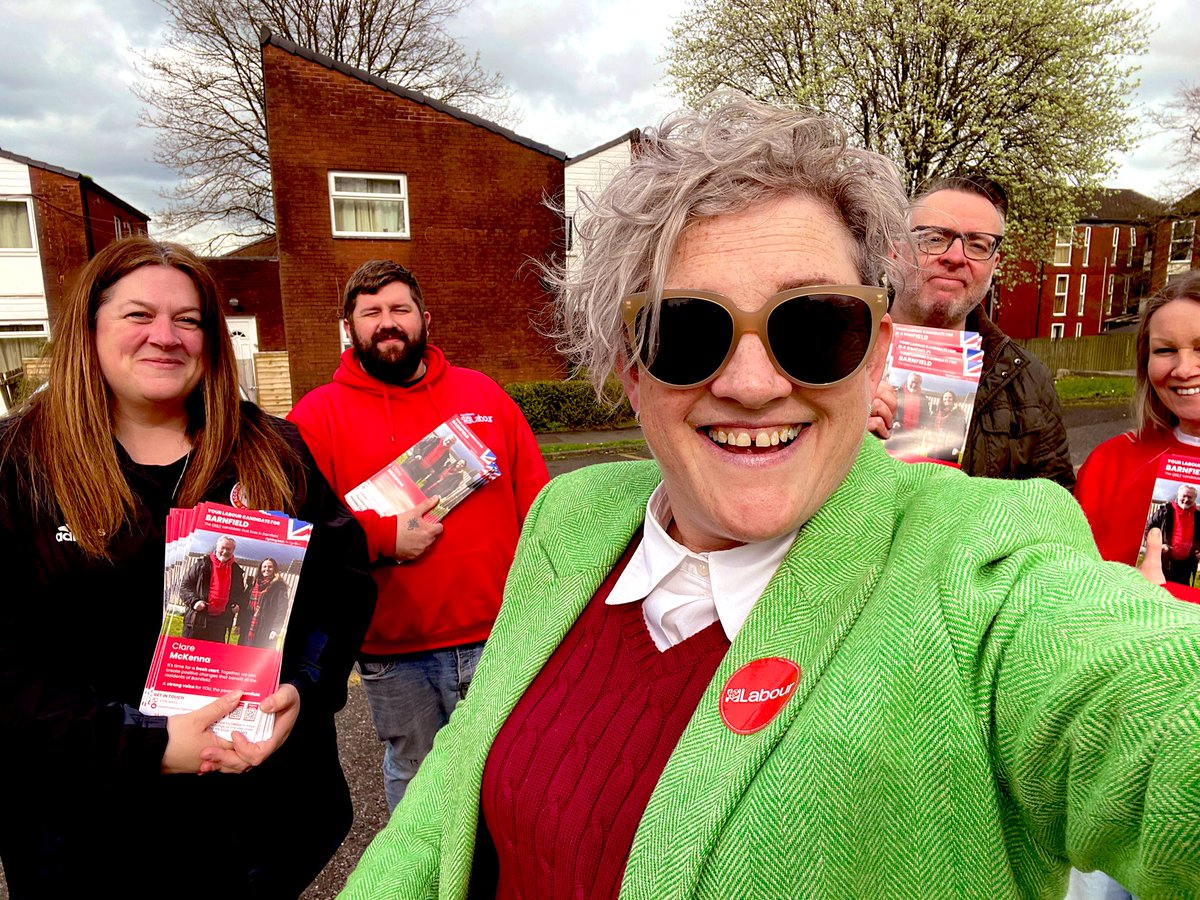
(700,165)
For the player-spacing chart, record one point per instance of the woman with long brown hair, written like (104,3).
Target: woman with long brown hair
(1116,481)
(141,414)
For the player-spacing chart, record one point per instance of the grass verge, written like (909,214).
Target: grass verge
(552,451)
(1087,389)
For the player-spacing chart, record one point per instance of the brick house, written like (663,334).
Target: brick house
(52,221)
(362,169)
(1094,274)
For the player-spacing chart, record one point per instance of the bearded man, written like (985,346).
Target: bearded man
(392,389)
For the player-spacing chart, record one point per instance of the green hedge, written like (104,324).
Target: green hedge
(570,405)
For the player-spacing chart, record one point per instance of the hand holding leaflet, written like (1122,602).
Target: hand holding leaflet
(450,462)
(1151,565)
(189,735)
(415,531)
(245,754)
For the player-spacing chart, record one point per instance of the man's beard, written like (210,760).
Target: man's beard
(394,367)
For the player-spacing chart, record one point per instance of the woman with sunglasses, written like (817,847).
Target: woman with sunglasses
(775,662)
(141,414)
(1117,479)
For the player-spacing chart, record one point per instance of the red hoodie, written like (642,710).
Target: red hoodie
(356,425)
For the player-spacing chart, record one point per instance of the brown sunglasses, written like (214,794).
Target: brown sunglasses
(816,336)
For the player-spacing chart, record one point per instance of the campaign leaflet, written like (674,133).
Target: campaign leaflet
(1172,504)
(450,461)
(229,579)
(935,372)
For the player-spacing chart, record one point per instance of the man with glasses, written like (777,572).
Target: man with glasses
(1017,428)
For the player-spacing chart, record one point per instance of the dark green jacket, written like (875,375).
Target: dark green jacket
(1017,428)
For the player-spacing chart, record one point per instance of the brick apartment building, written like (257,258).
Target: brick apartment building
(1094,274)
(361,169)
(52,221)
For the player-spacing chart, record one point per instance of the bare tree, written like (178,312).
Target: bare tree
(1033,92)
(203,91)
(1181,119)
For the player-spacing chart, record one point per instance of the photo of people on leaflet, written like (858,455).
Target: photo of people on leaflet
(931,415)
(439,466)
(1173,512)
(239,593)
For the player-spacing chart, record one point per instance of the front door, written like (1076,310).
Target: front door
(244,332)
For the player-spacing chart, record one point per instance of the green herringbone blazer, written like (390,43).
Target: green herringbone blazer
(982,702)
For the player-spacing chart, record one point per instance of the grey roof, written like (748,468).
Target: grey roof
(1121,205)
(59,170)
(1187,205)
(631,136)
(266,37)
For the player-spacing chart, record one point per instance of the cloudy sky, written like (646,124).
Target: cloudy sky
(584,72)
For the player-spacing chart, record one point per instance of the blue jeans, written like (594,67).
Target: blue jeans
(411,697)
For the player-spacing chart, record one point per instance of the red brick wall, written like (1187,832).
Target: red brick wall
(1026,300)
(475,214)
(1162,255)
(62,240)
(255,285)
(101,212)
(67,211)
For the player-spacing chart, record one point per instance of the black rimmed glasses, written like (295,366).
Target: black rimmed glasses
(816,336)
(935,241)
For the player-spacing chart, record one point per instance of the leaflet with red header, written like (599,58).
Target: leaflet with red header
(450,462)
(935,373)
(226,570)
(1173,511)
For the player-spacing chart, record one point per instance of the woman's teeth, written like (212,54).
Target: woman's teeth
(768,437)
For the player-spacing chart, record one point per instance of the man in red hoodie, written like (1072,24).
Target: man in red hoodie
(439,584)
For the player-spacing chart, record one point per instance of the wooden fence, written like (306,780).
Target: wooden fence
(273,382)
(1098,353)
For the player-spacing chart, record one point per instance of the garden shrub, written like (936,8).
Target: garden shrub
(570,405)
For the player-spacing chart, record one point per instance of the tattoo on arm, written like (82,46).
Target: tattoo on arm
(412,524)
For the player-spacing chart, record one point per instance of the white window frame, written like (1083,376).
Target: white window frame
(1082,292)
(1062,287)
(1112,283)
(1060,243)
(15,330)
(1132,244)
(400,197)
(33,237)
(1186,242)
(1087,244)
(1056,331)
(1078,329)
(1116,240)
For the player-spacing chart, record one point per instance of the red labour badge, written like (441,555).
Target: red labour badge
(756,692)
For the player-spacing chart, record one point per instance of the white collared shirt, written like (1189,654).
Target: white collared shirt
(685,592)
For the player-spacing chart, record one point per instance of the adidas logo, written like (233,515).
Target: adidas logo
(64,534)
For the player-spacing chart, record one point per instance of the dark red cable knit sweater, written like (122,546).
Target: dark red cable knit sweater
(571,771)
